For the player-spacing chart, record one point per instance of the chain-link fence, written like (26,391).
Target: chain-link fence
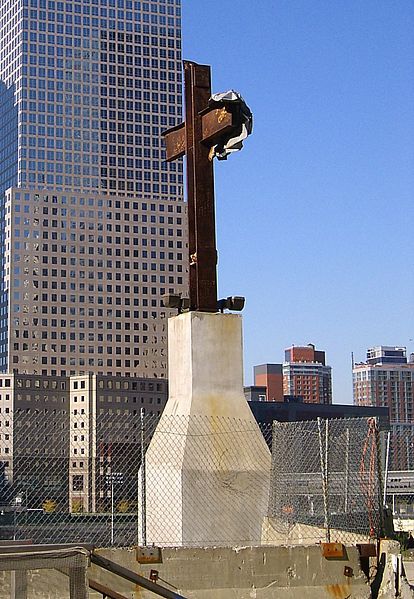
(51,572)
(73,477)
(207,482)
(326,481)
(400,475)
(78,477)
(401,447)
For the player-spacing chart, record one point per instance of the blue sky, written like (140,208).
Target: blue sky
(315,215)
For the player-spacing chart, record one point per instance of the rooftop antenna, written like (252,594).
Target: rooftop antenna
(352,359)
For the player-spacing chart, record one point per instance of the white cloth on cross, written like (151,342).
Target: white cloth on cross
(233,141)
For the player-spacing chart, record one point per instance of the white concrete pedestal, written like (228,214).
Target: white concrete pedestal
(207,467)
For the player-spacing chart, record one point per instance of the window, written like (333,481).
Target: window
(77,482)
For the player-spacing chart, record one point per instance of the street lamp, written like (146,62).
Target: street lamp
(112,479)
(17,503)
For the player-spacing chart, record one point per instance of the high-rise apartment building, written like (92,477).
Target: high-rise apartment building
(93,222)
(305,374)
(386,379)
(385,354)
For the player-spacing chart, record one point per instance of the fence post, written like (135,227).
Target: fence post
(143,482)
(346,470)
(387,456)
(380,479)
(323,453)
(112,510)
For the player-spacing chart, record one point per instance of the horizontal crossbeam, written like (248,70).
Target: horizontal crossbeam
(215,122)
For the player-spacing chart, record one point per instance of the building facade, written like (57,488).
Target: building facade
(381,382)
(270,376)
(255,393)
(386,354)
(386,379)
(62,438)
(93,222)
(303,377)
(297,411)
(85,280)
(306,375)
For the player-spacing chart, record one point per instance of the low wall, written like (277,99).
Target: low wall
(300,572)
(245,573)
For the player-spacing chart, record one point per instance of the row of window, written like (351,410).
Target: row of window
(92,362)
(77,7)
(53,323)
(99,202)
(63,183)
(169,7)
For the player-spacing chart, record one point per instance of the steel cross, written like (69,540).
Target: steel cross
(194,138)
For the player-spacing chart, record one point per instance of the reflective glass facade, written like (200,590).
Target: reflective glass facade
(87,87)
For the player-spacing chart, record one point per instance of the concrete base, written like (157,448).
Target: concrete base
(246,573)
(276,532)
(207,467)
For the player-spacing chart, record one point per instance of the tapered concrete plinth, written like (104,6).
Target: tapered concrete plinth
(207,467)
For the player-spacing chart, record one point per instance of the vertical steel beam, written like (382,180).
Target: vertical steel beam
(200,190)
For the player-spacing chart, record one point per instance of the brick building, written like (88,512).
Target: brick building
(303,375)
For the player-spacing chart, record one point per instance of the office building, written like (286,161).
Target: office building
(62,437)
(93,222)
(305,374)
(386,379)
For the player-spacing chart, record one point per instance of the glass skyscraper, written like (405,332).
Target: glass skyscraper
(93,222)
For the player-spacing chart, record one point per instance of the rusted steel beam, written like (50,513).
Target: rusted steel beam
(175,142)
(215,123)
(367,549)
(202,124)
(111,566)
(200,188)
(104,590)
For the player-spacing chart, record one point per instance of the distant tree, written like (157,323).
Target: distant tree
(77,506)
(49,506)
(123,506)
